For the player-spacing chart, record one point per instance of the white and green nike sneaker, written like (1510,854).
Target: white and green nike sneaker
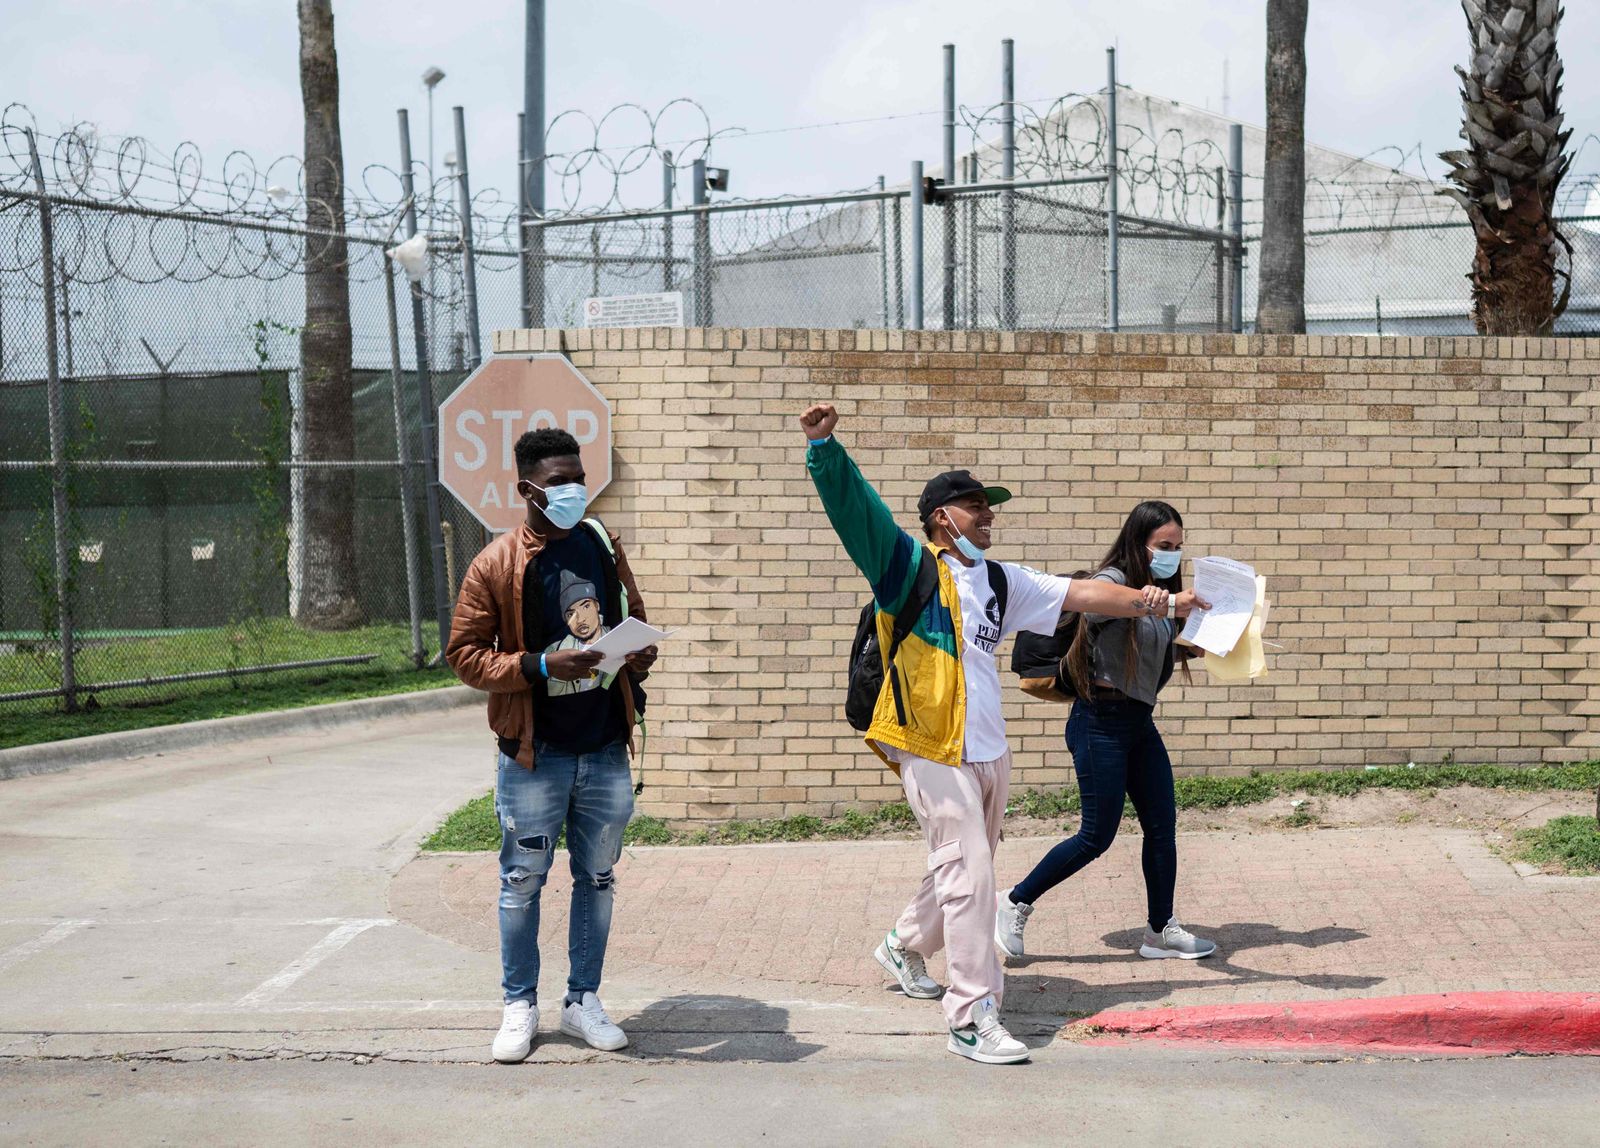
(986,1039)
(908,968)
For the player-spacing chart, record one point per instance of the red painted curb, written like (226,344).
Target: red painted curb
(1439,1022)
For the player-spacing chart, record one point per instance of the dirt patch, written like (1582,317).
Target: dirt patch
(1489,810)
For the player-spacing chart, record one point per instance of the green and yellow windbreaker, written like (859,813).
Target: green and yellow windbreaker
(931,677)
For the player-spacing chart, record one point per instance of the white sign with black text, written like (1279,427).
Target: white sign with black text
(664,309)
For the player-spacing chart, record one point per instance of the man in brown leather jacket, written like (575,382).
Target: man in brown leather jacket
(562,754)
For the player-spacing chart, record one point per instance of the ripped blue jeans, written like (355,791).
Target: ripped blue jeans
(592,794)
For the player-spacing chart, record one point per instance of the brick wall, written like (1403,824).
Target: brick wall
(1425,512)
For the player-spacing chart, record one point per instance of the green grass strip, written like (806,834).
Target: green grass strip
(473,828)
(222,698)
(1565,844)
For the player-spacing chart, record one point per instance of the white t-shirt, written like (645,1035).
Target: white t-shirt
(1033,603)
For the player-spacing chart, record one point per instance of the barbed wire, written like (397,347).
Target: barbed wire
(129,210)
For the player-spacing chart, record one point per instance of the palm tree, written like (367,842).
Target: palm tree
(1506,178)
(328,593)
(1281,300)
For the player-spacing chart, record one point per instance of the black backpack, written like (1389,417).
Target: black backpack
(1040,660)
(867,660)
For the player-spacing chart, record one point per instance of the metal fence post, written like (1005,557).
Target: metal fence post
(58,438)
(667,271)
(1113,300)
(469,263)
(1236,182)
(1221,253)
(1008,200)
(702,249)
(297,486)
(534,126)
(916,245)
(427,411)
(66,315)
(949,310)
(408,521)
(883,254)
(899,269)
(971,246)
(524,269)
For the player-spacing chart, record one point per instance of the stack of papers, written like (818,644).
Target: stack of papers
(1230,630)
(630,637)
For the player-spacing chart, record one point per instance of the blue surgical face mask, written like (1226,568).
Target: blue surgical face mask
(564,504)
(963,544)
(1165,563)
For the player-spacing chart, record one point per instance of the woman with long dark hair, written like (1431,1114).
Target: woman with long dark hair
(1117,667)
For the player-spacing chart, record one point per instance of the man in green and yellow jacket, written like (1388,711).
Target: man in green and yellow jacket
(951,751)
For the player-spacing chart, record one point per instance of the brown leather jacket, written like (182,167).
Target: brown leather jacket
(486,642)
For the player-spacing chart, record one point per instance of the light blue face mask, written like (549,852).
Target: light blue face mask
(966,547)
(1165,563)
(565,504)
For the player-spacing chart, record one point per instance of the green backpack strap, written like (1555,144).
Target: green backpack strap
(604,536)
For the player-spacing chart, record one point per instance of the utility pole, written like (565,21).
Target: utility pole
(533,129)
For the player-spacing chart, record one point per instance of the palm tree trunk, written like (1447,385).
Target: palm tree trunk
(328,596)
(1281,300)
(1506,178)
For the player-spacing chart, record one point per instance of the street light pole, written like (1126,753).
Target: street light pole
(430,80)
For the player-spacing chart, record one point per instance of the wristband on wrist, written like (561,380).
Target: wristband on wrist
(544,670)
(1172,606)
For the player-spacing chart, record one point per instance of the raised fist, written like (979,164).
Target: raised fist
(819,421)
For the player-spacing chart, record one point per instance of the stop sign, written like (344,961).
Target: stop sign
(479,425)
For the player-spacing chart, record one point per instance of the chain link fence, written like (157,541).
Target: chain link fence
(169,524)
(150,372)
(1009,258)
(1412,278)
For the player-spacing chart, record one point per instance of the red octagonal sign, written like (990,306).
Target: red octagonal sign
(480,423)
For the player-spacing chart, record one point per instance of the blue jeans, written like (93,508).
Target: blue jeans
(592,793)
(1117,751)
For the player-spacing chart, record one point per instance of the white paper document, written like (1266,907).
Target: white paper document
(633,635)
(1230,587)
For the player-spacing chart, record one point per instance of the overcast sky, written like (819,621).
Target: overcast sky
(223,73)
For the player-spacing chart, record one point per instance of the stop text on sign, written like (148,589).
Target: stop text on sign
(509,395)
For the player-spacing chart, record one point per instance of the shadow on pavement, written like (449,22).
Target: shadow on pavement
(1035,993)
(715,1028)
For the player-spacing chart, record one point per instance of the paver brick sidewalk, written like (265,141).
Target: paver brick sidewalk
(1297,915)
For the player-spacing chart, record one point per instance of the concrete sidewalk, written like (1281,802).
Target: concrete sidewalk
(1325,914)
(265,900)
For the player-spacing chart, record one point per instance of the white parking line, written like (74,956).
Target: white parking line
(61,932)
(310,959)
(188,919)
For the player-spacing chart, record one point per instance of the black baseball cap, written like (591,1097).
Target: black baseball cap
(953,484)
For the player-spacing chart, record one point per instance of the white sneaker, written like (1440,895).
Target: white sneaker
(987,1040)
(908,968)
(1175,941)
(515,1039)
(588,1022)
(1010,919)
